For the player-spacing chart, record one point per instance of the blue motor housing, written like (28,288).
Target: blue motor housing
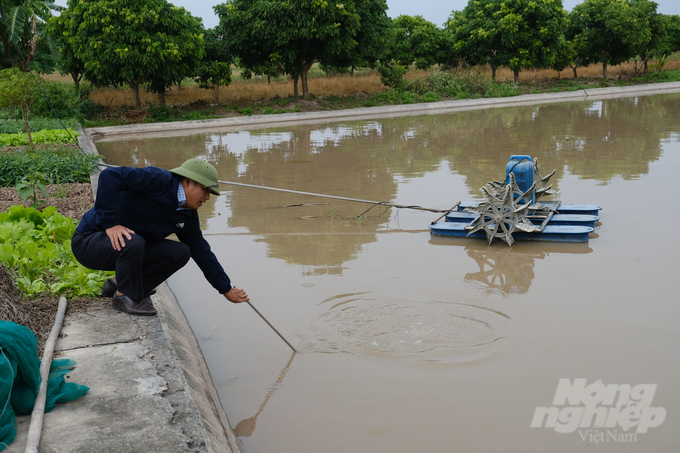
(523,168)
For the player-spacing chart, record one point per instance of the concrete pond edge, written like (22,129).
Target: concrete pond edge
(177,128)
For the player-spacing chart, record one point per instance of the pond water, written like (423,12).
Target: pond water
(409,342)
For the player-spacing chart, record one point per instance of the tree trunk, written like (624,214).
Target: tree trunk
(179,85)
(646,66)
(5,44)
(306,66)
(305,88)
(34,40)
(516,75)
(573,68)
(28,132)
(161,97)
(604,69)
(295,89)
(493,72)
(135,90)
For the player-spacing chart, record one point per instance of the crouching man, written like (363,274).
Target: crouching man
(134,211)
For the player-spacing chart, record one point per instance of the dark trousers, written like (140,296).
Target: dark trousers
(140,266)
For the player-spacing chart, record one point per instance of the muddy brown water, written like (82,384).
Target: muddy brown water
(409,342)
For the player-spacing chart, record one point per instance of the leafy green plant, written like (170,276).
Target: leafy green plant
(161,113)
(36,124)
(665,76)
(54,162)
(32,187)
(40,137)
(63,99)
(17,92)
(392,76)
(36,247)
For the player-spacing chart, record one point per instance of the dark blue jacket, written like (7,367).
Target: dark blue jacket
(145,200)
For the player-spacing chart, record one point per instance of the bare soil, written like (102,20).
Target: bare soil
(71,200)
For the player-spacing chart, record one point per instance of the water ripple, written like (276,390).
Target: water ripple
(400,328)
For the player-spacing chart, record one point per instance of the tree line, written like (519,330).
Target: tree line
(153,44)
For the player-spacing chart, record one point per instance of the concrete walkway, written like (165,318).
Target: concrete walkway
(179,128)
(150,389)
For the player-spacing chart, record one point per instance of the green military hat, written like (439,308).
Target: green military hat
(200,171)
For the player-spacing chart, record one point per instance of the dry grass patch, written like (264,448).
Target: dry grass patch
(240,92)
(593,71)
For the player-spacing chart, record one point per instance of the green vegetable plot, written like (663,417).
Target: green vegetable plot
(40,137)
(36,247)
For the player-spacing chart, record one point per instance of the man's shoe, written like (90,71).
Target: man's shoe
(129,306)
(110,287)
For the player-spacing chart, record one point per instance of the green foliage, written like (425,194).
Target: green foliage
(36,247)
(369,38)
(161,113)
(405,97)
(32,187)
(530,33)
(475,35)
(422,41)
(37,124)
(17,91)
(670,40)
(465,84)
(661,77)
(19,16)
(56,164)
(40,137)
(392,76)
(89,109)
(565,56)
(64,100)
(133,42)
(272,111)
(213,75)
(611,31)
(288,34)
(513,33)
(67,61)
(214,70)
(22,26)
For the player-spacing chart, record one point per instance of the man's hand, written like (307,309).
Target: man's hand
(116,233)
(237,295)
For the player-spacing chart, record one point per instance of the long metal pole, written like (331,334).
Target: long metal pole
(384,203)
(270,325)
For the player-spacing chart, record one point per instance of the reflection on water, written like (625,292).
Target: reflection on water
(404,333)
(245,427)
(504,270)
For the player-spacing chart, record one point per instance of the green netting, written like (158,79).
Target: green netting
(20,378)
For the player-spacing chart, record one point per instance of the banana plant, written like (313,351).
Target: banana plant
(20,22)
